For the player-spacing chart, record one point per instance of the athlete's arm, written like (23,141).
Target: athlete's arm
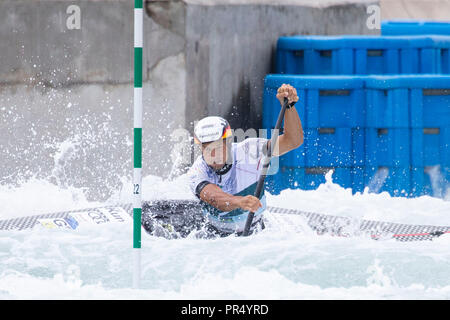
(223,201)
(292,136)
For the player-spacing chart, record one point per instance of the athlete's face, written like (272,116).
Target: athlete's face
(215,153)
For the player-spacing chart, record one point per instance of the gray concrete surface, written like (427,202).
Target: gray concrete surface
(66,95)
(436,10)
(237,46)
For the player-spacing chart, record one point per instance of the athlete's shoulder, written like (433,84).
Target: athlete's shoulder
(198,173)
(199,166)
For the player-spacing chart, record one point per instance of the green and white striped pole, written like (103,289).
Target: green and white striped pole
(137,171)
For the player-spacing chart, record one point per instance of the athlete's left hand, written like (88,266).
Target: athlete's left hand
(289,92)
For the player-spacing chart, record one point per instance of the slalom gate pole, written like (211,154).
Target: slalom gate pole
(137,157)
(266,164)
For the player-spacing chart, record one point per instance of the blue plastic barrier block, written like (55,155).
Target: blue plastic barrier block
(324,147)
(401,55)
(313,55)
(385,61)
(290,60)
(334,108)
(273,184)
(387,108)
(357,174)
(430,61)
(350,54)
(324,101)
(426,55)
(362,55)
(276,183)
(397,181)
(430,147)
(424,99)
(430,107)
(394,180)
(414,27)
(297,157)
(431,180)
(310,178)
(387,147)
(445,61)
(342,147)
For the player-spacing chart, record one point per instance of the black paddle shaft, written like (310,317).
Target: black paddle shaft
(266,164)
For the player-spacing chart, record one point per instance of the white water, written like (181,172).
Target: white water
(285,261)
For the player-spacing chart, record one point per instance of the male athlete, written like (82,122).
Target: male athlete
(224,177)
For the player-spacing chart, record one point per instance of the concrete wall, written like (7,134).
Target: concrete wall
(231,48)
(66,95)
(438,10)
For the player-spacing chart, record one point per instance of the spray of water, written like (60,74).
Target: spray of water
(437,180)
(377,181)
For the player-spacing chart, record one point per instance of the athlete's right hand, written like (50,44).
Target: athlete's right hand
(287,91)
(249,203)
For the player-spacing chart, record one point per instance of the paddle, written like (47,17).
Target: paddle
(266,164)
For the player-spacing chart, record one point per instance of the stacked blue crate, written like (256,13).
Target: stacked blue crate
(332,118)
(413,27)
(430,126)
(420,118)
(389,132)
(387,154)
(362,55)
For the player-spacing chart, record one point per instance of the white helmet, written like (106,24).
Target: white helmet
(211,129)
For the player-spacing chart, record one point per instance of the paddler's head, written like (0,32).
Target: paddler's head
(214,135)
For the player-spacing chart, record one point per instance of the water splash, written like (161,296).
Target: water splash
(66,152)
(378,277)
(377,181)
(437,180)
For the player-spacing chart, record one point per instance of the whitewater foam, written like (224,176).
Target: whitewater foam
(285,261)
